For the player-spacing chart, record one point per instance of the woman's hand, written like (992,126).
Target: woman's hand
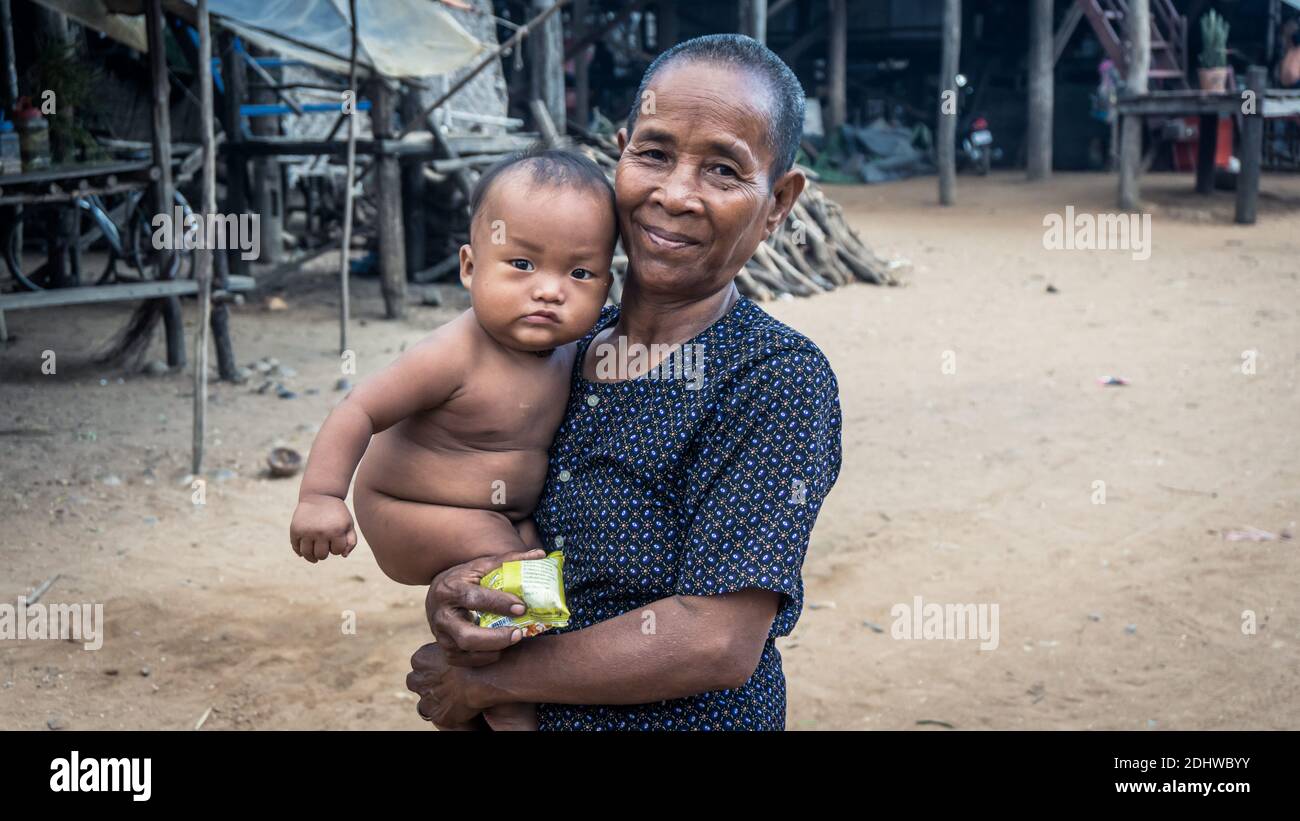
(454,593)
(442,688)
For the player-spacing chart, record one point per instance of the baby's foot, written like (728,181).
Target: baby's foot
(511,717)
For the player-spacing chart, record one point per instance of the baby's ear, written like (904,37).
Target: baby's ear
(466,265)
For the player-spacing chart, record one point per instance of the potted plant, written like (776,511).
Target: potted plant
(1214,52)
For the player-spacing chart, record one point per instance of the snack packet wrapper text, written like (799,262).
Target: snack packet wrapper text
(540,583)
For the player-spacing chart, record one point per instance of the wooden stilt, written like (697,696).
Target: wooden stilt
(946,138)
(162,161)
(1252,149)
(1041,64)
(392,241)
(203,256)
(1138,34)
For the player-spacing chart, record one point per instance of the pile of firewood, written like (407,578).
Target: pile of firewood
(815,250)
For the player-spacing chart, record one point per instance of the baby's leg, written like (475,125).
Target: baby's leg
(511,717)
(415,541)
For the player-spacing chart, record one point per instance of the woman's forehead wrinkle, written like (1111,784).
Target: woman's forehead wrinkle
(736,125)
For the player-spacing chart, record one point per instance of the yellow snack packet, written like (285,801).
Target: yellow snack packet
(540,583)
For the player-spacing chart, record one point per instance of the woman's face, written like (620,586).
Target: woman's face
(692,185)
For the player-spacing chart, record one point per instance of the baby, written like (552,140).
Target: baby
(462,421)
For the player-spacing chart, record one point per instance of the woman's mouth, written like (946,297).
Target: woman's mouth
(667,240)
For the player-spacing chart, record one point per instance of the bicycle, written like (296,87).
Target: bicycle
(130,243)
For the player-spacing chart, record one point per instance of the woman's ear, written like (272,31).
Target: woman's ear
(621,137)
(466,265)
(784,194)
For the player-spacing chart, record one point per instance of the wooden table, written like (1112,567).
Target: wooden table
(1254,105)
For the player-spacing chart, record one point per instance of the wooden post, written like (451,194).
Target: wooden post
(388,180)
(7,42)
(1138,31)
(350,110)
(268,195)
(581,76)
(415,226)
(1207,143)
(160,93)
(837,59)
(203,256)
(1252,148)
(1041,64)
(234,78)
(546,63)
(753,18)
(946,139)
(668,28)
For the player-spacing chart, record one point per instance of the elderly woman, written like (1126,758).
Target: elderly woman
(683,506)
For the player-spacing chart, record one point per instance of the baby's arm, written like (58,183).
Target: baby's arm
(424,377)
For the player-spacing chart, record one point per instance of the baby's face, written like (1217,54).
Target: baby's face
(537,267)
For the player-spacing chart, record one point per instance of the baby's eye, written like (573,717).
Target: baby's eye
(582,273)
(522,264)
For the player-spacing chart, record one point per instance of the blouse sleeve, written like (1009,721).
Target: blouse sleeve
(760,475)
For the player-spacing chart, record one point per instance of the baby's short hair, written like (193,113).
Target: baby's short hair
(547,167)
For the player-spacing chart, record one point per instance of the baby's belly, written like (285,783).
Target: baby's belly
(505,481)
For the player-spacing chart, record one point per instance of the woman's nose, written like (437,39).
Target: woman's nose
(679,192)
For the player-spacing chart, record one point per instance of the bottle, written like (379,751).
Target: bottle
(11,157)
(33,135)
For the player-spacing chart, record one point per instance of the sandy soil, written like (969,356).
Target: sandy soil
(975,486)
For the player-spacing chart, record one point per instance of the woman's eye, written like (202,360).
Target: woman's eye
(582,273)
(654,154)
(725,170)
(522,264)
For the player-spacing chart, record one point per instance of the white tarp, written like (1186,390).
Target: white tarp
(400,38)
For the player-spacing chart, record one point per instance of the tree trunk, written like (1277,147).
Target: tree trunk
(1138,30)
(838,31)
(1041,62)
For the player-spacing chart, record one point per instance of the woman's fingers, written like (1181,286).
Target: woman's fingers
(471,638)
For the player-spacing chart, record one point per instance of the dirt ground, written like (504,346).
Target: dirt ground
(974,483)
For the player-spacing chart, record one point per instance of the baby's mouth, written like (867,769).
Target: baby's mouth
(542,317)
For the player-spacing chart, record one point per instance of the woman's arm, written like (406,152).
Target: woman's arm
(672,648)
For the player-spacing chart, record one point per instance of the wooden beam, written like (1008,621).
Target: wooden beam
(1252,148)
(203,257)
(1073,14)
(837,32)
(946,145)
(1138,37)
(1207,142)
(546,62)
(93,294)
(345,255)
(392,237)
(1038,165)
(581,74)
(752,16)
(161,134)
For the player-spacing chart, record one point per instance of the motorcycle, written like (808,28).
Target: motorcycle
(977,148)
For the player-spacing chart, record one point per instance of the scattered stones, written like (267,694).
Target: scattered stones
(432,296)
(283,392)
(284,462)
(875,628)
(56,723)
(1094,616)
(222,474)
(343,384)
(1051,289)
(1131,629)
(151,520)
(112,480)
(155,368)
(146,671)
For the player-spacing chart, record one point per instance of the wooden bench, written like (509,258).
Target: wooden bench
(84,295)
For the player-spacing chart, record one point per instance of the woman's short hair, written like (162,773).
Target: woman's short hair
(786,104)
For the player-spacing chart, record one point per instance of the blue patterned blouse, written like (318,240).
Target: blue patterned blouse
(702,477)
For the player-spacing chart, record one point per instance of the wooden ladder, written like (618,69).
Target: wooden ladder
(1168,38)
